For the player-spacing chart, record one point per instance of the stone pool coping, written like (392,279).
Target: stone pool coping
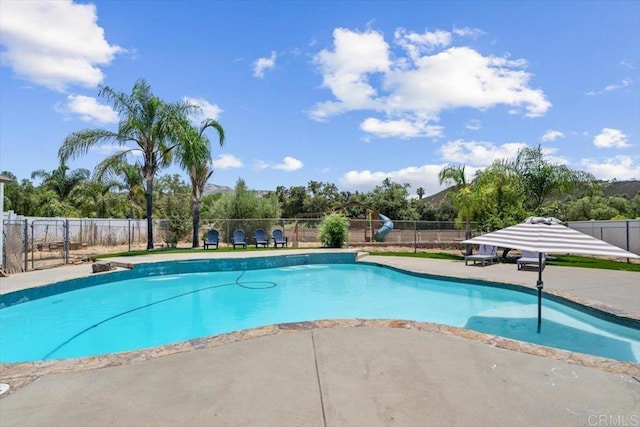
(18,375)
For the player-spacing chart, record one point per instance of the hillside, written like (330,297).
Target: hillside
(213,188)
(626,189)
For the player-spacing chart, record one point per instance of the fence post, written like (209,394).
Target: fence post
(129,234)
(26,244)
(628,259)
(66,241)
(33,245)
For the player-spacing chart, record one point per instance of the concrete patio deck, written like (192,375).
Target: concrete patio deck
(344,373)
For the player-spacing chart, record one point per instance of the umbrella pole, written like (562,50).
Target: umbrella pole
(539,285)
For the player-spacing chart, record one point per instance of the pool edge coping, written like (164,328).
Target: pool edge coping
(20,374)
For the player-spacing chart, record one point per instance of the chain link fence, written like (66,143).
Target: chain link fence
(36,243)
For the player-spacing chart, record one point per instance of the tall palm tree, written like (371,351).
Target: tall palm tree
(146,122)
(194,156)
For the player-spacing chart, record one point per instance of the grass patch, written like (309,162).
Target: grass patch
(559,260)
(586,262)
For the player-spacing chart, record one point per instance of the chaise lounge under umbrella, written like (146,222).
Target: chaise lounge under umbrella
(548,235)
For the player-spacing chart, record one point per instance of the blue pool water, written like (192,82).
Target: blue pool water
(150,311)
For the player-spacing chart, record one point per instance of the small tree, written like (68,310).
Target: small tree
(333,230)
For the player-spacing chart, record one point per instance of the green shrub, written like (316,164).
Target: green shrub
(333,230)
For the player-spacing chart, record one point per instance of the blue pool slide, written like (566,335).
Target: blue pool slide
(387,226)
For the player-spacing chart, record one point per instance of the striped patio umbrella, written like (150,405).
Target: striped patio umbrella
(548,235)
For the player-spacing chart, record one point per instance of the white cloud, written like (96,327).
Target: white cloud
(425,176)
(402,128)
(226,161)
(417,44)
(207,110)
(461,77)
(611,138)
(613,86)
(467,32)
(624,83)
(627,64)
(262,64)
(345,71)
(478,153)
(54,43)
(620,168)
(289,164)
(474,124)
(419,85)
(552,135)
(90,110)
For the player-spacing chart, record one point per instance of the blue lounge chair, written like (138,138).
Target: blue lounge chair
(279,238)
(238,238)
(212,239)
(260,237)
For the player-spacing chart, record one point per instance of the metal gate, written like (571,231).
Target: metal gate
(48,243)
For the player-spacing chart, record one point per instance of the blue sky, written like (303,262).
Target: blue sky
(345,92)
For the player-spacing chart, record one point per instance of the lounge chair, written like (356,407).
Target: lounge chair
(279,238)
(530,258)
(485,253)
(260,238)
(211,239)
(238,238)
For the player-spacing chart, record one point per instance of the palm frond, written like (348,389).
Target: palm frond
(111,166)
(79,143)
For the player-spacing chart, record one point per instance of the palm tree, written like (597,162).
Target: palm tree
(542,179)
(61,182)
(194,156)
(97,199)
(420,192)
(465,198)
(128,177)
(148,123)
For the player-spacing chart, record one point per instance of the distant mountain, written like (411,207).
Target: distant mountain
(213,188)
(626,189)
(436,199)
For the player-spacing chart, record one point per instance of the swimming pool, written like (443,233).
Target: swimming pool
(155,309)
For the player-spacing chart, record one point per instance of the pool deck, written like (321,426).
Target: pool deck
(342,372)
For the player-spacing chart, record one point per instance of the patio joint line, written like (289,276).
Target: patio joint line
(315,358)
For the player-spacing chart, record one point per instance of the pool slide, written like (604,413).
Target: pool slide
(387,226)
